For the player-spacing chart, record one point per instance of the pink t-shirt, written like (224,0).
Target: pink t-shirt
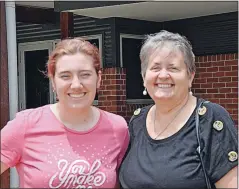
(49,155)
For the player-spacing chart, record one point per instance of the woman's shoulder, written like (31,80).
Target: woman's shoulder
(115,119)
(140,114)
(213,111)
(33,115)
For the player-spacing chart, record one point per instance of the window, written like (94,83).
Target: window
(130,46)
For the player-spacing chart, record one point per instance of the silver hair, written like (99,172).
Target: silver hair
(157,40)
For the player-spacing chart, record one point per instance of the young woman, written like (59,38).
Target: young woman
(70,144)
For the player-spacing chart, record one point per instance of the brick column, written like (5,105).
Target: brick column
(112,94)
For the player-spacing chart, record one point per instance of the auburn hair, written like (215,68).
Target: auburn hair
(71,47)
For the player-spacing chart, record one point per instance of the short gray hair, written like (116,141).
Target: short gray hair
(154,41)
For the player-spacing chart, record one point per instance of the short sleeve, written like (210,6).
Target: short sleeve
(124,147)
(12,139)
(220,141)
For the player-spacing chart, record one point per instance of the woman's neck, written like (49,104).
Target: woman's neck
(168,108)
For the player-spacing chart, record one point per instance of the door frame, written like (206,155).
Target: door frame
(31,46)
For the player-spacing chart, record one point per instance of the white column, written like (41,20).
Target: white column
(12,73)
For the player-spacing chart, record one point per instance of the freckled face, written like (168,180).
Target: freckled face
(166,76)
(76,80)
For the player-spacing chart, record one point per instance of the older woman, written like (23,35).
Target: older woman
(164,150)
(69,144)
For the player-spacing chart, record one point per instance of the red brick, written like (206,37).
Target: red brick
(119,82)
(212,90)
(235,68)
(205,75)
(219,57)
(235,111)
(218,85)
(218,63)
(206,85)
(231,106)
(120,92)
(220,95)
(225,79)
(231,63)
(111,97)
(200,91)
(214,58)
(212,79)
(102,98)
(215,100)
(107,93)
(218,74)
(235,100)
(225,90)
(223,57)
(232,73)
(123,76)
(225,68)
(212,69)
(235,79)
(102,87)
(225,101)
(207,96)
(110,87)
(109,77)
(196,85)
(231,95)
(200,70)
(228,56)
(209,58)
(234,90)
(106,82)
(205,64)
(106,103)
(232,84)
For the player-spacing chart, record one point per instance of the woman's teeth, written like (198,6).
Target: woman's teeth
(164,85)
(77,95)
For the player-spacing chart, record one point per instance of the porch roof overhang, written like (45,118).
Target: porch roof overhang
(158,11)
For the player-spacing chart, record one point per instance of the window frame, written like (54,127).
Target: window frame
(132,36)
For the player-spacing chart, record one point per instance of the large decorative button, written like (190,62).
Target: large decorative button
(232,156)
(137,112)
(202,110)
(218,125)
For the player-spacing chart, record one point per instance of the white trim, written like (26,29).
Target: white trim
(123,35)
(31,46)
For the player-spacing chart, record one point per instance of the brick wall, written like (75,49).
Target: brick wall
(216,80)
(112,93)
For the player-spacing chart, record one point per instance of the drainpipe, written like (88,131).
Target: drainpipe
(12,73)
